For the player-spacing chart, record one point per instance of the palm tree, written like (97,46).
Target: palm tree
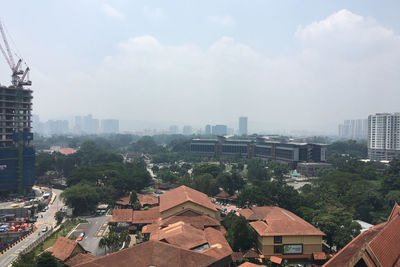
(103,243)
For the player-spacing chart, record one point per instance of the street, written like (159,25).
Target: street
(94,230)
(47,220)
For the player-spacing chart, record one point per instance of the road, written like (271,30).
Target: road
(47,220)
(93,233)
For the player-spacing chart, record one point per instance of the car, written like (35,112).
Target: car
(80,237)
(44,229)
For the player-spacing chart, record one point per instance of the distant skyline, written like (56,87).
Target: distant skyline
(298,65)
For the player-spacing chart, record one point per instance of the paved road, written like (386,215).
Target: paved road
(94,231)
(47,220)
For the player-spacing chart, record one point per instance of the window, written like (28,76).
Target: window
(277,249)
(278,239)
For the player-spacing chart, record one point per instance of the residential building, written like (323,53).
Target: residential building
(65,249)
(187,130)
(282,234)
(17,156)
(384,136)
(261,147)
(354,129)
(57,127)
(110,126)
(243,126)
(90,125)
(78,125)
(220,130)
(173,129)
(377,246)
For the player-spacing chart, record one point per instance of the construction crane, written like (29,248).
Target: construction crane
(19,79)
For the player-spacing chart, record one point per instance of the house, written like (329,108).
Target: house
(79,259)
(184,197)
(145,200)
(282,234)
(136,218)
(64,249)
(377,246)
(155,253)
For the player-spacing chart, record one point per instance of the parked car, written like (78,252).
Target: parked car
(80,237)
(44,229)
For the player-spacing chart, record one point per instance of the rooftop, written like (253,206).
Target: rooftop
(184,194)
(63,248)
(152,253)
(270,221)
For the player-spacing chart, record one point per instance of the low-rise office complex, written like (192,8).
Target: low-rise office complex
(261,147)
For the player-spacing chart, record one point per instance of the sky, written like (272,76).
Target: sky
(286,65)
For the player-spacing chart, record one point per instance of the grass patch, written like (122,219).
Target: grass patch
(62,231)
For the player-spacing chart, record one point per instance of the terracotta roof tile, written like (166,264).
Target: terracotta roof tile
(146,216)
(124,201)
(63,248)
(67,151)
(152,253)
(395,210)
(184,194)
(200,222)
(386,244)
(79,259)
(277,221)
(122,215)
(147,199)
(222,194)
(248,264)
(217,241)
(319,256)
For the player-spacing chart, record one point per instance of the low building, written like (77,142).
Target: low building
(65,249)
(282,234)
(183,197)
(155,253)
(377,246)
(135,218)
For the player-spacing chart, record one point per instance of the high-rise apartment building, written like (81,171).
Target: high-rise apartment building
(109,126)
(90,125)
(208,129)
(384,136)
(173,129)
(219,130)
(354,129)
(187,130)
(17,157)
(54,127)
(243,126)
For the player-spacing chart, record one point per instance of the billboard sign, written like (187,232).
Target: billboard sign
(293,249)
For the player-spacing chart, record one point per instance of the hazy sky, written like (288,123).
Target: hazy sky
(284,64)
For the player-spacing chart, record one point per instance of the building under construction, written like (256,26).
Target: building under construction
(17,157)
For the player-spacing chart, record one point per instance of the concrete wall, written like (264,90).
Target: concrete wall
(310,244)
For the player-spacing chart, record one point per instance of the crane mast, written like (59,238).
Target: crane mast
(18,80)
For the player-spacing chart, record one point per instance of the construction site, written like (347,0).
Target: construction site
(17,157)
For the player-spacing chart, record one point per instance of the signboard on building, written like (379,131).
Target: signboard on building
(293,249)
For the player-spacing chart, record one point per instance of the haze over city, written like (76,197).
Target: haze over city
(306,65)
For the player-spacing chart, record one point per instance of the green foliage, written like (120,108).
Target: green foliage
(212,169)
(240,235)
(45,259)
(230,182)
(350,147)
(168,176)
(256,171)
(59,216)
(82,197)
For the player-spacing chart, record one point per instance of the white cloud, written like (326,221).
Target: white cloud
(153,13)
(346,67)
(111,12)
(222,21)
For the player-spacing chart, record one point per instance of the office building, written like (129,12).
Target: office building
(262,147)
(219,130)
(109,126)
(208,129)
(57,127)
(354,129)
(243,126)
(384,136)
(78,125)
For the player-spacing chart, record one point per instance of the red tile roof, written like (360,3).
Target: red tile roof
(153,253)
(147,199)
(386,244)
(122,215)
(123,201)
(379,245)
(64,247)
(319,256)
(79,259)
(182,195)
(277,221)
(275,259)
(395,210)
(146,216)
(67,151)
(248,264)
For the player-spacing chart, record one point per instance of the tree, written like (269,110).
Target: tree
(25,260)
(103,244)
(240,235)
(83,198)
(59,216)
(46,259)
